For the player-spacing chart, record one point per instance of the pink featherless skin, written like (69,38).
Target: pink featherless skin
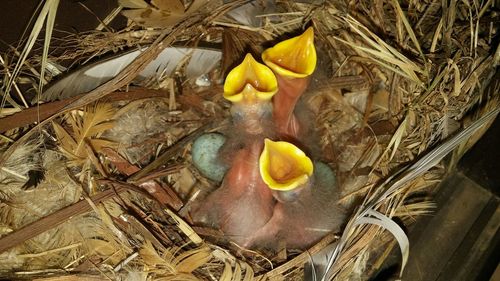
(243,204)
(299,223)
(290,90)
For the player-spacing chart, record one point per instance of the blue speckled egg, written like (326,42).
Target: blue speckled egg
(205,156)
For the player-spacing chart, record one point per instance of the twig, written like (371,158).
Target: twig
(35,255)
(48,222)
(30,115)
(18,91)
(300,259)
(125,261)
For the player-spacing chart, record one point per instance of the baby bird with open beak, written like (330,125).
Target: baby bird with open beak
(307,205)
(250,87)
(243,203)
(292,61)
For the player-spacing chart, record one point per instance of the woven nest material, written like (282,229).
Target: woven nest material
(98,183)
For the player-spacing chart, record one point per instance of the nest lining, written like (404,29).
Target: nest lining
(395,83)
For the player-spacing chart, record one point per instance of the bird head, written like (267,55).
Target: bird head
(293,58)
(293,61)
(250,87)
(250,82)
(285,169)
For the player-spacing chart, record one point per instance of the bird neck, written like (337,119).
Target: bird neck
(244,172)
(290,90)
(250,117)
(293,195)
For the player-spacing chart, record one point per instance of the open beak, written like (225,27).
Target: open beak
(250,82)
(284,167)
(293,61)
(293,58)
(250,87)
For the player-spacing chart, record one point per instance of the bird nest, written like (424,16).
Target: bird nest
(96,174)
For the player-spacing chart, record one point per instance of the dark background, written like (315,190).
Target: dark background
(71,17)
(481,163)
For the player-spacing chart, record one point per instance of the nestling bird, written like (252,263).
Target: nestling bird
(306,209)
(273,194)
(292,61)
(243,203)
(250,87)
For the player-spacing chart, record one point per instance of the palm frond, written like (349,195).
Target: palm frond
(382,53)
(48,14)
(86,127)
(398,180)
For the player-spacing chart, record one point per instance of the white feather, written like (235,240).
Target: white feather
(90,77)
(247,14)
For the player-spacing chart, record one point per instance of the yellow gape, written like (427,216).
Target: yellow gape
(250,82)
(294,58)
(283,166)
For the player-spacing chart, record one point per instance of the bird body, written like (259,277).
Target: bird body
(273,194)
(306,209)
(243,204)
(290,90)
(299,223)
(292,61)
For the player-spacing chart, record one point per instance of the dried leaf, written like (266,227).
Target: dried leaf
(249,274)
(381,99)
(135,4)
(150,256)
(407,25)
(101,247)
(457,82)
(185,228)
(195,5)
(48,13)
(383,53)
(227,274)
(173,6)
(236,273)
(396,138)
(152,17)
(189,261)
(99,144)
(64,137)
(166,14)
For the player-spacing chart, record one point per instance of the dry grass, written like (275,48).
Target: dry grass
(396,79)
